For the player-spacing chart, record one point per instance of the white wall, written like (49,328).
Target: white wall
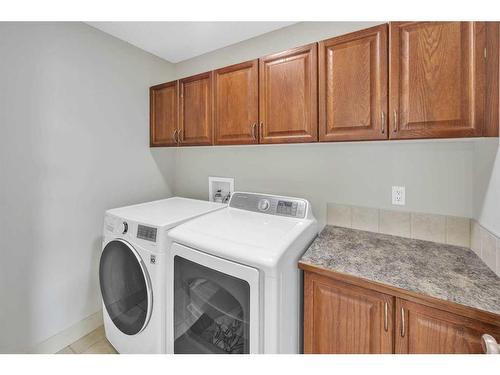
(74,142)
(487,184)
(437,174)
(288,37)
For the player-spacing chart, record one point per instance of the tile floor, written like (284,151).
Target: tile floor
(93,343)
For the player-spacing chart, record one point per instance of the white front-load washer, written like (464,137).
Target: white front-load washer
(233,282)
(132,272)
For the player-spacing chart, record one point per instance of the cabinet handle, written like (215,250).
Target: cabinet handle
(402,322)
(386,317)
(173,136)
(254,128)
(383,122)
(395,114)
(179,136)
(261,125)
(489,344)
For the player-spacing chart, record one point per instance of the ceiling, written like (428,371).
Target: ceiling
(178,41)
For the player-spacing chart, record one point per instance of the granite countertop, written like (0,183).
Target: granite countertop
(437,270)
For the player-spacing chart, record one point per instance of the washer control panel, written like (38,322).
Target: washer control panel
(270,204)
(146,233)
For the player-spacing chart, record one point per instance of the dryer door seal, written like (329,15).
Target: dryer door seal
(125,287)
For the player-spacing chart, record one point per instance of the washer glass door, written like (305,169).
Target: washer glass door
(125,287)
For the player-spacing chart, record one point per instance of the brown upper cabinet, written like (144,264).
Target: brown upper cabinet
(195,110)
(400,80)
(492,79)
(353,86)
(437,79)
(163,114)
(288,96)
(236,104)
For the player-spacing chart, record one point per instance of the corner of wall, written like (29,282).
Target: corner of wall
(70,335)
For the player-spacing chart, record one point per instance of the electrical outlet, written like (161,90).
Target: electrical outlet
(398,195)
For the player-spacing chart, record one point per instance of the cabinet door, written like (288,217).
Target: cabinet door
(492,79)
(340,318)
(236,98)
(425,330)
(195,112)
(353,86)
(163,114)
(288,96)
(437,75)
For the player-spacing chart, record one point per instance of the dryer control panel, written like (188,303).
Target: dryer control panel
(270,204)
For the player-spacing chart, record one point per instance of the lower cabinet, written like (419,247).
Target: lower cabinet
(425,330)
(343,318)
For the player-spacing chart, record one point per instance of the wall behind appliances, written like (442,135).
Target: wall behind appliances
(487,186)
(74,142)
(437,174)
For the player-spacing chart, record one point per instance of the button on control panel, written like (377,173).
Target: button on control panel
(269,204)
(264,205)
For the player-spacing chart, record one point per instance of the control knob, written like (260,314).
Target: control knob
(123,227)
(264,205)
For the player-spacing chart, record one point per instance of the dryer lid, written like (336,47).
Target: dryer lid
(252,238)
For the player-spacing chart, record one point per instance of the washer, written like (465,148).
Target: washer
(233,283)
(132,270)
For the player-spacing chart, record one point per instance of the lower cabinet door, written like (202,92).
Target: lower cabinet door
(424,330)
(341,318)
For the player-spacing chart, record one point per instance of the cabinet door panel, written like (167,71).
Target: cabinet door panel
(492,80)
(195,114)
(163,114)
(432,331)
(437,75)
(288,96)
(353,86)
(236,98)
(341,318)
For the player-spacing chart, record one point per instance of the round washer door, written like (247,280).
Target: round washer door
(125,287)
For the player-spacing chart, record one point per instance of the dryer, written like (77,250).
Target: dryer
(233,283)
(132,270)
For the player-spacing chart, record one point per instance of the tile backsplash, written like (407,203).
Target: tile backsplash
(451,230)
(486,246)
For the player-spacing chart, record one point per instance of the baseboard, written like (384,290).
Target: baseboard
(70,335)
